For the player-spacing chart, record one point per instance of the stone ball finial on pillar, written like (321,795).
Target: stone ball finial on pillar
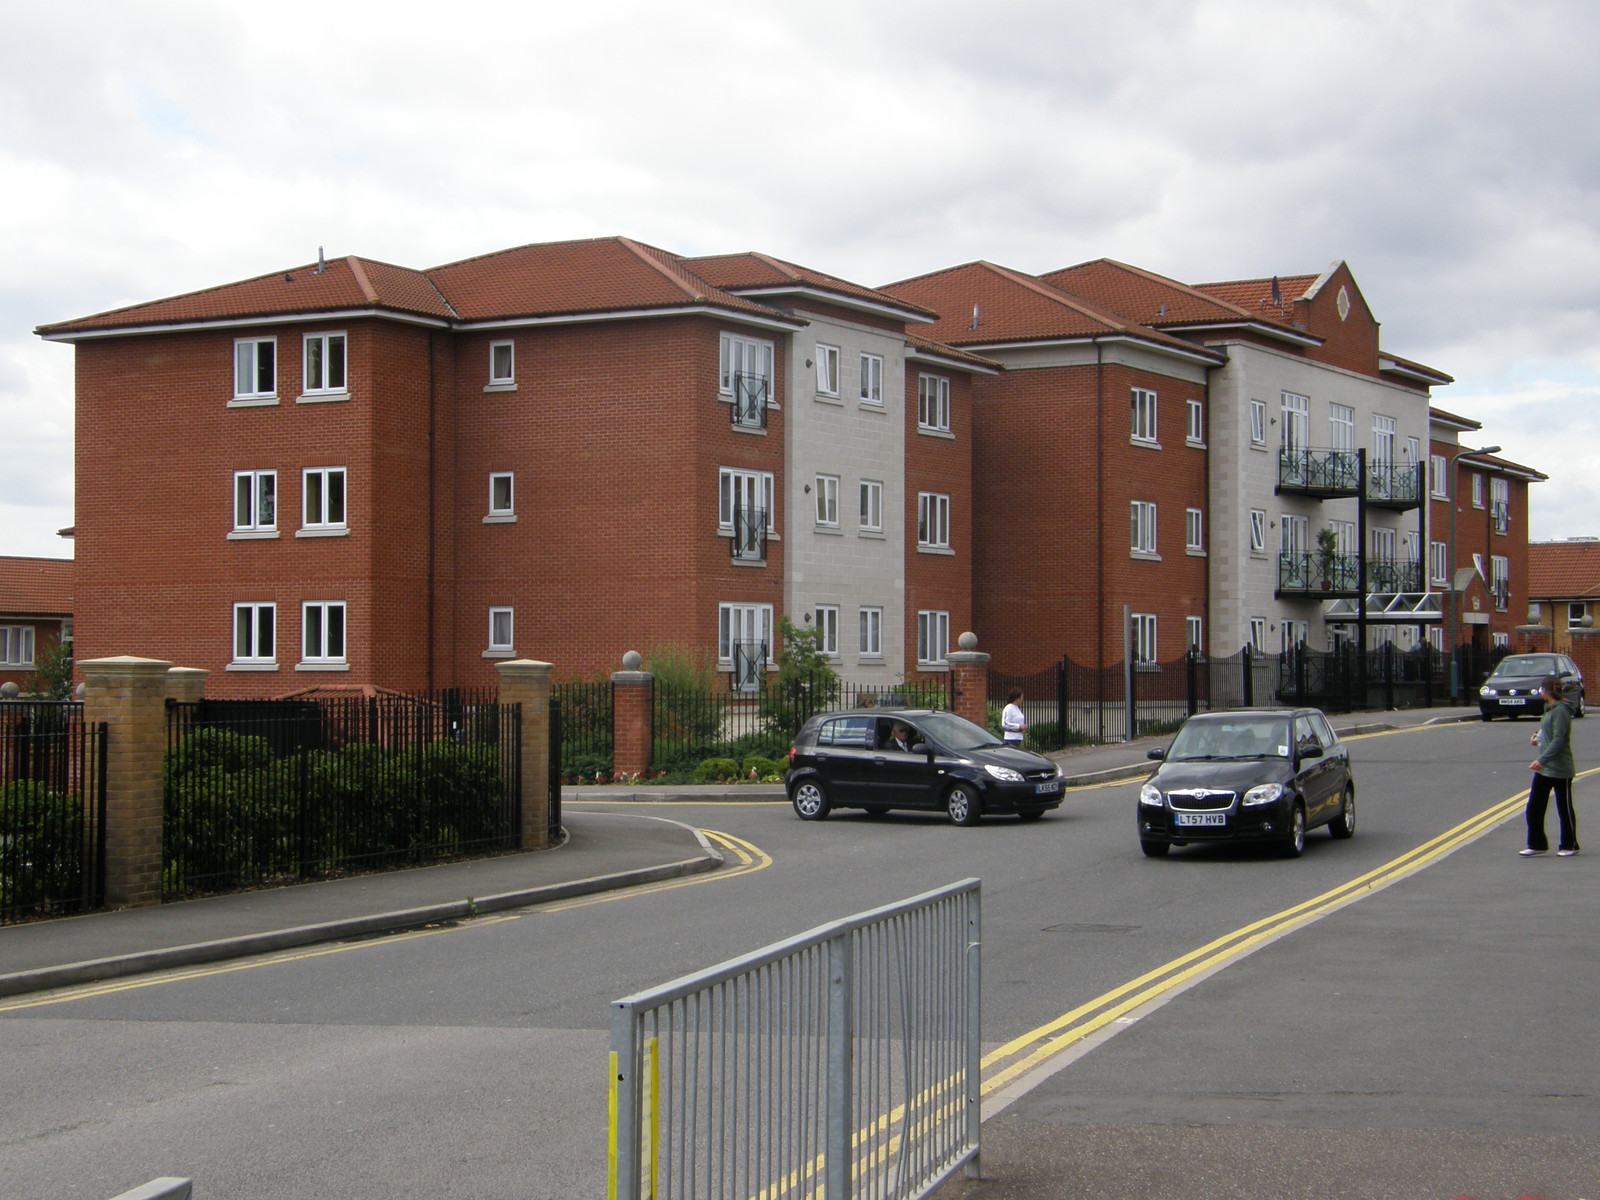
(632,660)
(968,641)
(9,690)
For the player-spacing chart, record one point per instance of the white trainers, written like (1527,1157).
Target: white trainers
(1565,853)
(1532,853)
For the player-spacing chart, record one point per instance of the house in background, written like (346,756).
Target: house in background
(36,612)
(1564,588)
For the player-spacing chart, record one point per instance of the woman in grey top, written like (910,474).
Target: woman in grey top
(1552,772)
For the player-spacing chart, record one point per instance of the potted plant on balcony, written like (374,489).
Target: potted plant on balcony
(1327,555)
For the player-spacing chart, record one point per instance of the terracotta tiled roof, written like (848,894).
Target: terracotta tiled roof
(41,586)
(344,283)
(983,304)
(1143,295)
(1255,295)
(1564,570)
(945,350)
(573,278)
(753,271)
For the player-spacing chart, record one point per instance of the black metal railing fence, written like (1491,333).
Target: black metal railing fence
(259,792)
(52,810)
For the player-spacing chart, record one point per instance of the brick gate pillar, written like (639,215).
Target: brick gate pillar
(1586,653)
(186,685)
(527,683)
(969,679)
(130,696)
(632,731)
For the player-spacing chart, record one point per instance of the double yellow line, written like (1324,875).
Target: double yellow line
(1033,1050)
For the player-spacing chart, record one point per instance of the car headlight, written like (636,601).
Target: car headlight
(1487,691)
(1004,774)
(1263,793)
(1150,795)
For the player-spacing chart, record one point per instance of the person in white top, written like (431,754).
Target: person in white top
(1013,723)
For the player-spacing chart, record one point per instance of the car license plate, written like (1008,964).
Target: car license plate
(1200,819)
(1047,789)
(1513,700)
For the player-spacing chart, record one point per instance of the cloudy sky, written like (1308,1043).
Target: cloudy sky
(1447,151)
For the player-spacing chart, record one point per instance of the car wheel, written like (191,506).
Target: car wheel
(810,800)
(1155,849)
(1294,845)
(1344,824)
(963,807)
(1031,815)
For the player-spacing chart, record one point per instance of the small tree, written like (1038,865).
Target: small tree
(806,682)
(52,673)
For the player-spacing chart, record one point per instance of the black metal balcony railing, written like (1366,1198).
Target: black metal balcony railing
(1500,514)
(1315,574)
(1394,575)
(1501,589)
(750,534)
(750,394)
(749,666)
(1320,472)
(1394,485)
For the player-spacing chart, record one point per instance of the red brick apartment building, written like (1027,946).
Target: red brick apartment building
(560,451)
(1480,557)
(36,611)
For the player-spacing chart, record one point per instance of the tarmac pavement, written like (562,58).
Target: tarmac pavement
(601,852)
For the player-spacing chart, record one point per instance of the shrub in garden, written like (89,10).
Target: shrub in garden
(41,846)
(766,769)
(717,770)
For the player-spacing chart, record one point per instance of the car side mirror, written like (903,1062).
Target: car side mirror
(922,748)
(1311,752)
(1156,754)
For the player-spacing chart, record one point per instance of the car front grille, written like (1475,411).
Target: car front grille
(1200,800)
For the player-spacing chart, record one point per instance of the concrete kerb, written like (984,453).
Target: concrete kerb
(142,962)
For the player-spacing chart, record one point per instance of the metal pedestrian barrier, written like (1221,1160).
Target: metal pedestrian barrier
(841,1063)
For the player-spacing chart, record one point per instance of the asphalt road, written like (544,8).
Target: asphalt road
(1436,1037)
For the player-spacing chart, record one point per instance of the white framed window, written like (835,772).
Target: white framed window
(872,379)
(826,492)
(827,617)
(1144,527)
(1439,562)
(1294,413)
(16,645)
(1576,615)
(1382,441)
(1383,543)
(1258,634)
(502,494)
(933,636)
(1258,531)
(1410,550)
(1499,641)
(324,498)
(1194,535)
(1196,434)
(871,506)
(1500,502)
(1436,638)
(1294,634)
(255,368)
(749,492)
(870,626)
(1477,490)
(1144,637)
(1500,580)
(325,363)
(502,630)
(1143,408)
(933,403)
(322,629)
(1258,422)
(744,642)
(827,370)
(1437,468)
(502,363)
(1293,535)
(255,629)
(255,501)
(1194,632)
(1341,427)
(1344,537)
(933,520)
(745,368)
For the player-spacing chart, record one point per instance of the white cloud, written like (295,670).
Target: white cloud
(155,148)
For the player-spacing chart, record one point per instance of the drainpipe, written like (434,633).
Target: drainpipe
(433,484)
(1100,506)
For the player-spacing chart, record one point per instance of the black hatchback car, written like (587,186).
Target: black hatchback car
(1254,775)
(938,762)
(1512,689)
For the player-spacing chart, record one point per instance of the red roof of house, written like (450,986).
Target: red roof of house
(1143,295)
(1254,296)
(1564,570)
(36,586)
(981,304)
(752,271)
